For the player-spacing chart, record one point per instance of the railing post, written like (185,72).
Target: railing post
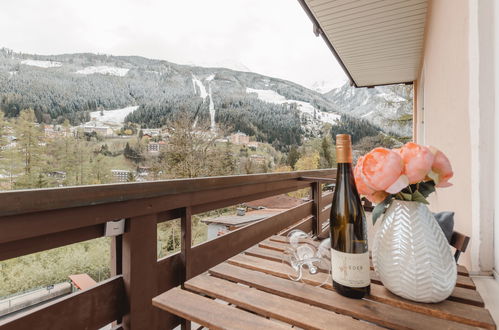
(140,271)
(316,196)
(116,255)
(186,242)
(185,251)
(116,261)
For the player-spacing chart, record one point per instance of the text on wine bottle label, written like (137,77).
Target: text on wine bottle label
(350,269)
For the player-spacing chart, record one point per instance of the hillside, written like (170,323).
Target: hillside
(273,110)
(388,107)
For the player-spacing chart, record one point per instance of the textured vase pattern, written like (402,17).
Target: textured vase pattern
(411,254)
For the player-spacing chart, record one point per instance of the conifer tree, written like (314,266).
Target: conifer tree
(293,156)
(326,153)
(29,149)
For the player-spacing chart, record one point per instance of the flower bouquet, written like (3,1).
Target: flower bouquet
(410,253)
(410,173)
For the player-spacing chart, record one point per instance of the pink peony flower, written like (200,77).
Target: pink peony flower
(441,169)
(362,188)
(417,161)
(382,170)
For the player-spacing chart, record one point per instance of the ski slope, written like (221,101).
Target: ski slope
(204,94)
(104,69)
(112,117)
(271,96)
(42,64)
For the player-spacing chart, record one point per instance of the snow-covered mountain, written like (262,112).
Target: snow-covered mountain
(388,107)
(81,86)
(322,86)
(223,63)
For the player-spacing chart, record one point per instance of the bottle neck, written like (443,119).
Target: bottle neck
(344,153)
(344,171)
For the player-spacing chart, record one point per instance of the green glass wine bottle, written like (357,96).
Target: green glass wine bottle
(349,251)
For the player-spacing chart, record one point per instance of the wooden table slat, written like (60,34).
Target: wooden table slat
(273,306)
(461,295)
(461,270)
(448,309)
(254,290)
(381,314)
(273,244)
(209,313)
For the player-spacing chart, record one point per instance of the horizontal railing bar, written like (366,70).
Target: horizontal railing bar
(248,198)
(42,223)
(211,253)
(327,198)
(36,200)
(169,271)
(325,213)
(316,179)
(306,225)
(46,242)
(87,309)
(169,215)
(40,243)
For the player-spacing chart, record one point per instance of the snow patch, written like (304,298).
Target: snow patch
(210,77)
(199,84)
(204,95)
(271,96)
(223,63)
(104,69)
(42,64)
(391,97)
(323,86)
(212,110)
(111,117)
(367,114)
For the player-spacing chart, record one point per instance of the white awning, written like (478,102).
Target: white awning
(377,42)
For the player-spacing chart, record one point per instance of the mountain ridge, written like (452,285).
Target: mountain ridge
(69,86)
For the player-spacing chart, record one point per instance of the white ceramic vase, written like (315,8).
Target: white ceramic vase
(411,254)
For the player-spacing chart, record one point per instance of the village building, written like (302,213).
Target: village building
(251,212)
(155,147)
(239,138)
(103,130)
(121,175)
(150,132)
(54,131)
(253,145)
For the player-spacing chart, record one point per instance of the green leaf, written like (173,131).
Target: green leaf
(380,208)
(426,188)
(418,197)
(407,197)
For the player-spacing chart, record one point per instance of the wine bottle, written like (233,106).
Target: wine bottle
(349,253)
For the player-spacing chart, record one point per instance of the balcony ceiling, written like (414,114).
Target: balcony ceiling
(377,42)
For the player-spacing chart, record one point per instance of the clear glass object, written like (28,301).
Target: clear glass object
(306,258)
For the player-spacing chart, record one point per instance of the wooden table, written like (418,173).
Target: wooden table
(253,291)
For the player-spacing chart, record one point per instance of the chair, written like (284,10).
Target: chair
(460,243)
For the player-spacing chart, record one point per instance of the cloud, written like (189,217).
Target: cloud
(272,37)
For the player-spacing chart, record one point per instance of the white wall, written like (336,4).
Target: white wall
(458,78)
(496,161)
(445,71)
(482,128)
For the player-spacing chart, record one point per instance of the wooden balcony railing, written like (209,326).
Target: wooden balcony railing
(37,220)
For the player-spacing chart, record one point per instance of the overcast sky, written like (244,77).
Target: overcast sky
(272,37)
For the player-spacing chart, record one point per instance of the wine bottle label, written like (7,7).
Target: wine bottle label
(350,269)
